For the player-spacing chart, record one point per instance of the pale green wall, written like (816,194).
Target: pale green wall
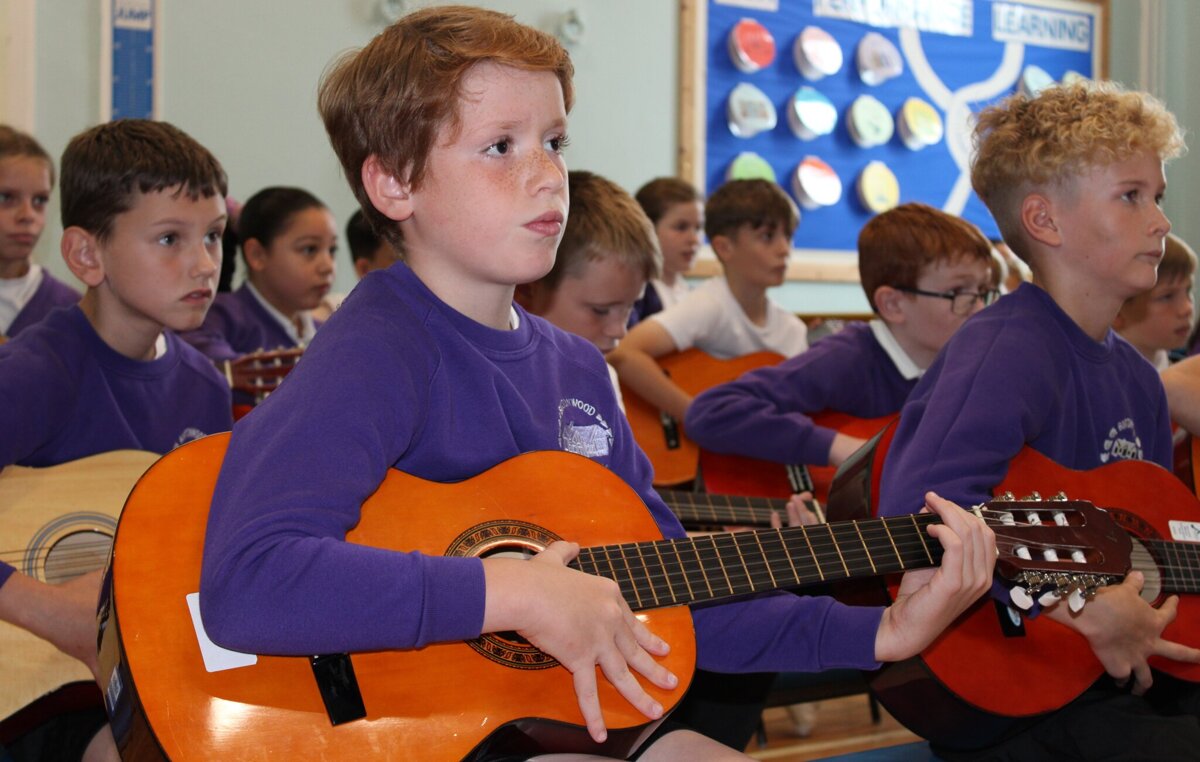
(241,76)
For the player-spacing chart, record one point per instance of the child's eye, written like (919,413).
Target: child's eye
(168,239)
(600,311)
(5,197)
(499,148)
(1131,195)
(212,237)
(40,202)
(558,144)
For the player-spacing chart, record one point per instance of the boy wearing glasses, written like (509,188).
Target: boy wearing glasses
(924,273)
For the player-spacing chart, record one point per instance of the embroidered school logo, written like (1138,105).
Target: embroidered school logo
(190,434)
(582,429)
(1122,443)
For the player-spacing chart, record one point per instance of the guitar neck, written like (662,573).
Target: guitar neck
(701,509)
(725,565)
(1178,564)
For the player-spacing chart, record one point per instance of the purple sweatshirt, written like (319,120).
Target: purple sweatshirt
(65,394)
(396,378)
(1022,372)
(50,295)
(765,413)
(237,324)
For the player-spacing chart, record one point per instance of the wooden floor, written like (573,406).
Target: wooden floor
(842,726)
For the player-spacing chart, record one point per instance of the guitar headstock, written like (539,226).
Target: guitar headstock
(260,373)
(1056,548)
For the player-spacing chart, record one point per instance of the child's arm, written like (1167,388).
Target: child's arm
(765,413)
(1182,382)
(64,615)
(634,359)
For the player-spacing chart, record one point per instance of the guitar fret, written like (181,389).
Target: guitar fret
(763,553)
(629,575)
(646,574)
(666,575)
(892,540)
(865,548)
(921,537)
(738,538)
(838,549)
(720,562)
(812,551)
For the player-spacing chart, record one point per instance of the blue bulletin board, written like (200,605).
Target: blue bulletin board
(958,55)
(130,59)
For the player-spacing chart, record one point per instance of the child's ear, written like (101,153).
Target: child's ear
(1038,218)
(887,303)
(255,254)
(388,193)
(722,245)
(362,267)
(81,252)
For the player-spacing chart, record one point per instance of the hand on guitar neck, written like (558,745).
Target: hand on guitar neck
(930,599)
(63,614)
(1124,631)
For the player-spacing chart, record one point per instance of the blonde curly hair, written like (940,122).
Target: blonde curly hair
(1024,143)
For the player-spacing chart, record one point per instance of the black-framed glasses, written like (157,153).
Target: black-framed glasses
(961,302)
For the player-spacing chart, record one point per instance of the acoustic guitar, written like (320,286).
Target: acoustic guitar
(58,524)
(993,673)
(469,699)
(257,374)
(661,437)
(739,475)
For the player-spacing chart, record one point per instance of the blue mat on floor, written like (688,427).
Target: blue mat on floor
(909,752)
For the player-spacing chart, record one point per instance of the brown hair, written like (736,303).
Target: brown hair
(391,98)
(1178,262)
(13,142)
(103,167)
(605,223)
(896,246)
(660,194)
(1024,143)
(753,203)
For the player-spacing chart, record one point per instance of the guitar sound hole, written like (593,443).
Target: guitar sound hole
(76,554)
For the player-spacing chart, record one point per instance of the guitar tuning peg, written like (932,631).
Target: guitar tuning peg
(1006,497)
(1020,596)
(1049,598)
(1076,600)
(1060,497)
(1033,497)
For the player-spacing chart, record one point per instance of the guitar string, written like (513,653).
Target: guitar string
(871,529)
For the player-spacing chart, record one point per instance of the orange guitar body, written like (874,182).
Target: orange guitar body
(976,683)
(675,457)
(737,475)
(444,701)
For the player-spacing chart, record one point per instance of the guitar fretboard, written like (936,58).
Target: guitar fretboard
(708,567)
(1178,563)
(703,509)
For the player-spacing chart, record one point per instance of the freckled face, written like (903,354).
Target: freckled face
(492,205)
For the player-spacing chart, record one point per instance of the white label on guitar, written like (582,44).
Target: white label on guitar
(1185,531)
(216,659)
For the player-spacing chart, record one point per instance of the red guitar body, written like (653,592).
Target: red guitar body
(674,456)
(737,475)
(981,681)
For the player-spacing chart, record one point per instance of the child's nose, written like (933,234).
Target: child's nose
(547,172)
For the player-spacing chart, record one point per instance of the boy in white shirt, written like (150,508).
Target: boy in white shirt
(750,224)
